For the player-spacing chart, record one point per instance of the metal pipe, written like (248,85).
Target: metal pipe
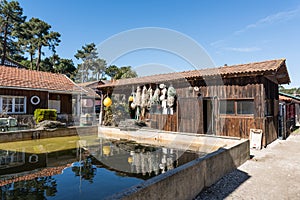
(101,110)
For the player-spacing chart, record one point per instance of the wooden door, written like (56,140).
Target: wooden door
(190,118)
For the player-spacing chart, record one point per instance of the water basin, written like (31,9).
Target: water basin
(86,167)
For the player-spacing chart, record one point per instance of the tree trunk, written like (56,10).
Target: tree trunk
(31,61)
(4,46)
(38,60)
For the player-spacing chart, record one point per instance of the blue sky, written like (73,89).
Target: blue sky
(231,31)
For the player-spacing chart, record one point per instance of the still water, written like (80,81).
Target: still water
(80,168)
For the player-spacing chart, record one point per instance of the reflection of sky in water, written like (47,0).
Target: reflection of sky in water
(105,183)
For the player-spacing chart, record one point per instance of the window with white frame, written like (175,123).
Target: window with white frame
(12,104)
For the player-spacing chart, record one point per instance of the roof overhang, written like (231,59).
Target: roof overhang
(282,74)
(274,70)
(41,90)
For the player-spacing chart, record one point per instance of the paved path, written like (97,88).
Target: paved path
(273,173)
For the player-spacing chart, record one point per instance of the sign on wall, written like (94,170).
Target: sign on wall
(255,138)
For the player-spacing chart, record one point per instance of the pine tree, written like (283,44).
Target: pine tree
(88,54)
(11,17)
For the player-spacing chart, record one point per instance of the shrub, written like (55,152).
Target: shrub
(44,114)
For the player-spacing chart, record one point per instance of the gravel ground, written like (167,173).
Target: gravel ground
(272,173)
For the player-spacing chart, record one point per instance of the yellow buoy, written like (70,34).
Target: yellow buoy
(130,160)
(130,98)
(107,102)
(106,150)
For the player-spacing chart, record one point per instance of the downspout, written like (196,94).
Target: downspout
(101,110)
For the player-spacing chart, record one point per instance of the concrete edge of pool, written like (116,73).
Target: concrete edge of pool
(29,134)
(187,181)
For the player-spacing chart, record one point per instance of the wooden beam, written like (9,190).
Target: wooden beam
(272,78)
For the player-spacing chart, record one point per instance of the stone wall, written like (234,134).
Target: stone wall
(30,134)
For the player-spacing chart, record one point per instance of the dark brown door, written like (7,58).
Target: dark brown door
(208,116)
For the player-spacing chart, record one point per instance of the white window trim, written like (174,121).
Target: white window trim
(13,104)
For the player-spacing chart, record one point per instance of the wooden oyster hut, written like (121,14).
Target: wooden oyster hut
(223,101)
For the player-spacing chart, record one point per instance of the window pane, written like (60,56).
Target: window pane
(4,100)
(227,107)
(17,108)
(4,108)
(17,100)
(245,107)
(9,108)
(21,100)
(22,108)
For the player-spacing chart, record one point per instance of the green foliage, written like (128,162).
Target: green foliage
(115,113)
(292,91)
(44,114)
(108,119)
(46,65)
(98,68)
(87,52)
(112,71)
(11,16)
(120,73)
(125,72)
(92,67)
(65,66)
(36,34)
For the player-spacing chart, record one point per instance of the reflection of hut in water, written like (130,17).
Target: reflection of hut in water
(143,161)
(21,160)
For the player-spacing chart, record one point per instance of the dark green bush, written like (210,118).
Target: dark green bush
(44,114)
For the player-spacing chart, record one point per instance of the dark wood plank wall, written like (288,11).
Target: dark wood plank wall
(191,108)
(190,119)
(164,122)
(189,114)
(271,122)
(28,93)
(66,99)
(238,127)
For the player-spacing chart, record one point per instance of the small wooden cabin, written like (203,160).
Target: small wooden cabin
(22,91)
(288,114)
(91,101)
(224,101)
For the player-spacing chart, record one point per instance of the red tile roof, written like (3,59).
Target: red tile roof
(277,67)
(288,98)
(11,77)
(283,98)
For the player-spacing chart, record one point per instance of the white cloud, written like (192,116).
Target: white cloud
(271,19)
(243,49)
(217,43)
(227,43)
